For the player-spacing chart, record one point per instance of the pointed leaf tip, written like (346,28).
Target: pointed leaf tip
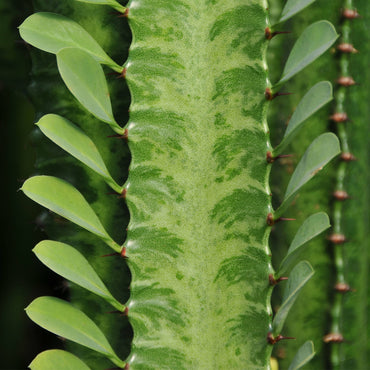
(76,68)
(311,227)
(75,142)
(299,276)
(318,96)
(52,32)
(304,354)
(57,359)
(61,318)
(62,198)
(292,7)
(69,263)
(313,42)
(321,151)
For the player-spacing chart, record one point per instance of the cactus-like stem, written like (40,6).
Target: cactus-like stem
(338,239)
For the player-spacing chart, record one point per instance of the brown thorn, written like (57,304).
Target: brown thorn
(346,48)
(125,14)
(337,238)
(127,367)
(348,157)
(333,338)
(123,252)
(110,254)
(339,117)
(340,195)
(270,219)
(270,96)
(269,35)
(350,14)
(123,73)
(272,340)
(285,219)
(343,288)
(346,81)
(274,281)
(115,311)
(123,194)
(270,158)
(119,136)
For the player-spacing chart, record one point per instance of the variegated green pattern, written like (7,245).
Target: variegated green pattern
(198,188)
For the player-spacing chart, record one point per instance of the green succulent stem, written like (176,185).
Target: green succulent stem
(338,248)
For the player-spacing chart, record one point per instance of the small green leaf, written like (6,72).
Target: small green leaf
(62,319)
(56,359)
(85,78)
(305,353)
(311,227)
(72,265)
(314,41)
(315,98)
(52,32)
(74,141)
(292,7)
(299,276)
(62,198)
(318,154)
(114,4)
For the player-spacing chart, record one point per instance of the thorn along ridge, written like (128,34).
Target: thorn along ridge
(337,238)
(270,96)
(274,281)
(269,35)
(333,338)
(339,117)
(340,195)
(346,48)
(346,81)
(347,157)
(123,252)
(272,340)
(342,288)
(350,13)
(270,158)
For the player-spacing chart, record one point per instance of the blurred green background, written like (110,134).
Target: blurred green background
(22,277)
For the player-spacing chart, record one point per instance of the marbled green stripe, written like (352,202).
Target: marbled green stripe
(198,189)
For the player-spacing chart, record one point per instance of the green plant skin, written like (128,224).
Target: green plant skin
(50,95)
(310,317)
(188,198)
(313,319)
(198,181)
(354,353)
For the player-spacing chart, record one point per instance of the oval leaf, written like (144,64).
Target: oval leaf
(62,319)
(52,32)
(56,359)
(315,98)
(72,265)
(305,353)
(62,198)
(74,141)
(297,279)
(318,154)
(77,68)
(311,227)
(114,4)
(292,7)
(314,41)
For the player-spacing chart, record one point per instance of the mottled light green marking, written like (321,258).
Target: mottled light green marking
(198,188)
